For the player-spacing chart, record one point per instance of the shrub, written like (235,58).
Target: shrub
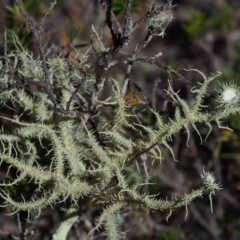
(60,142)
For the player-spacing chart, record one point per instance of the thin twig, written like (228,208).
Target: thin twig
(5,57)
(46,14)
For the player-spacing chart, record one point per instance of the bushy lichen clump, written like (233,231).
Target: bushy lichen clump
(77,156)
(50,137)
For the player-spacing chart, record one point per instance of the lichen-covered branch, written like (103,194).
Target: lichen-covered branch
(57,136)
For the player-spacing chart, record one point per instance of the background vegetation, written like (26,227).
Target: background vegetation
(203,35)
